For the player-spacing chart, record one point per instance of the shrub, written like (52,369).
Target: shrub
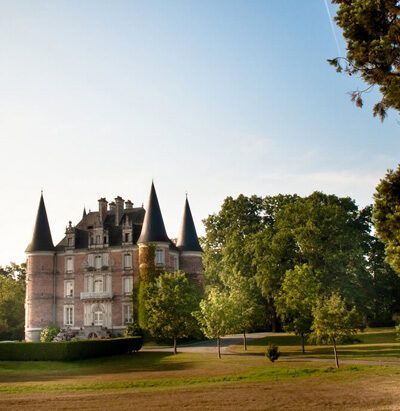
(68,350)
(49,332)
(273,352)
(133,330)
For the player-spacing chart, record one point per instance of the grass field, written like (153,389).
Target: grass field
(375,344)
(197,381)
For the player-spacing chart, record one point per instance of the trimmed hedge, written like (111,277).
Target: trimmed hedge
(68,350)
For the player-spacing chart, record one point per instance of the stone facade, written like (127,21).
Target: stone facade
(86,280)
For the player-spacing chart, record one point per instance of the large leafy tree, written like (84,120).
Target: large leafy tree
(169,305)
(297,299)
(386,216)
(372,32)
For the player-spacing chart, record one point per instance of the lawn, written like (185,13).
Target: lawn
(374,344)
(201,382)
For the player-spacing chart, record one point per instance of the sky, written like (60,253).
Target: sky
(212,98)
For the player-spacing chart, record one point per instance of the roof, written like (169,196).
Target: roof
(188,240)
(41,238)
(153,225)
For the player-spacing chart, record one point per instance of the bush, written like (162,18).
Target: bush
(273,352)
(68,350)
(49,333)
(133,330)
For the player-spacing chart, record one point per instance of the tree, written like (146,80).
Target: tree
(244,297)
(372,31)
(12,297)
(386,216)
(15,271)
(332,321)
(297,299)
(216,315)
(169,305)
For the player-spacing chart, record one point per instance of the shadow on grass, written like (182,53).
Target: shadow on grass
(24,371)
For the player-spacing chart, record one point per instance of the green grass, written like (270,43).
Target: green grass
(254,375)
(373,343)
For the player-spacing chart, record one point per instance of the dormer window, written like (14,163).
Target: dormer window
(70,242)
(127,237)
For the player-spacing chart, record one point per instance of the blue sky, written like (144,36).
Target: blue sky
(215,98)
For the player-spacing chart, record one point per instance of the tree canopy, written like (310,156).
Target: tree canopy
(372,32)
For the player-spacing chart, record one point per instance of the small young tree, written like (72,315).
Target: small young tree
(216,315)
(246,307)
(296,301)
(332,320)
(169,304)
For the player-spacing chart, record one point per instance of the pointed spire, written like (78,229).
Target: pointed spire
(41,238)
(153,229)
(84,212)
(188,240)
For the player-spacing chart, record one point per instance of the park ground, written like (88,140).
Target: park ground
(368,379)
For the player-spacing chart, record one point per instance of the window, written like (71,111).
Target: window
(127,237)
(127,314)
(105,240)
(69,265)
(98,285)
(90,260)
(68,315)
(176,263)
(159,259)
(97,261)
(98,318)
(127,285)
(70,242)
(98,239)
(69,288)
(127,261)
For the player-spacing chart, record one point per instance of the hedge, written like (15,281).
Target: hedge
(67,350)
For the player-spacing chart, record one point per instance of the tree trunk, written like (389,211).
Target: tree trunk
(175,351)
(335,351)
(244,341)
(273,321)
(302,343)
(219,347)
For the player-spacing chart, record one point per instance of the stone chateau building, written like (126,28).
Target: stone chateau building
(85,282)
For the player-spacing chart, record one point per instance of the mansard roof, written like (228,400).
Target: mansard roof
(153,225)
(41,238)
(188,240)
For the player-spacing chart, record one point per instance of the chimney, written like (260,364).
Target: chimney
(103,208)
(112,206)
(128,204)
(119,209)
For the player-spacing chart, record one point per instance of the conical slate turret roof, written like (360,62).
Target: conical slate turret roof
(153,229)
(41,238)
(188,240)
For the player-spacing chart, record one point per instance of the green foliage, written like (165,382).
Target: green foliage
(48,333)
(386,216)
(371,29)
(12,297)
(297,298)
(216,314)
(272,352)
(15,271)
(333,320)
(169,304)
(68,350)
(133,330)
(147,275)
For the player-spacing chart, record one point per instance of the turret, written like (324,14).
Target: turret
(190,260)
(40,281)
(153,233)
